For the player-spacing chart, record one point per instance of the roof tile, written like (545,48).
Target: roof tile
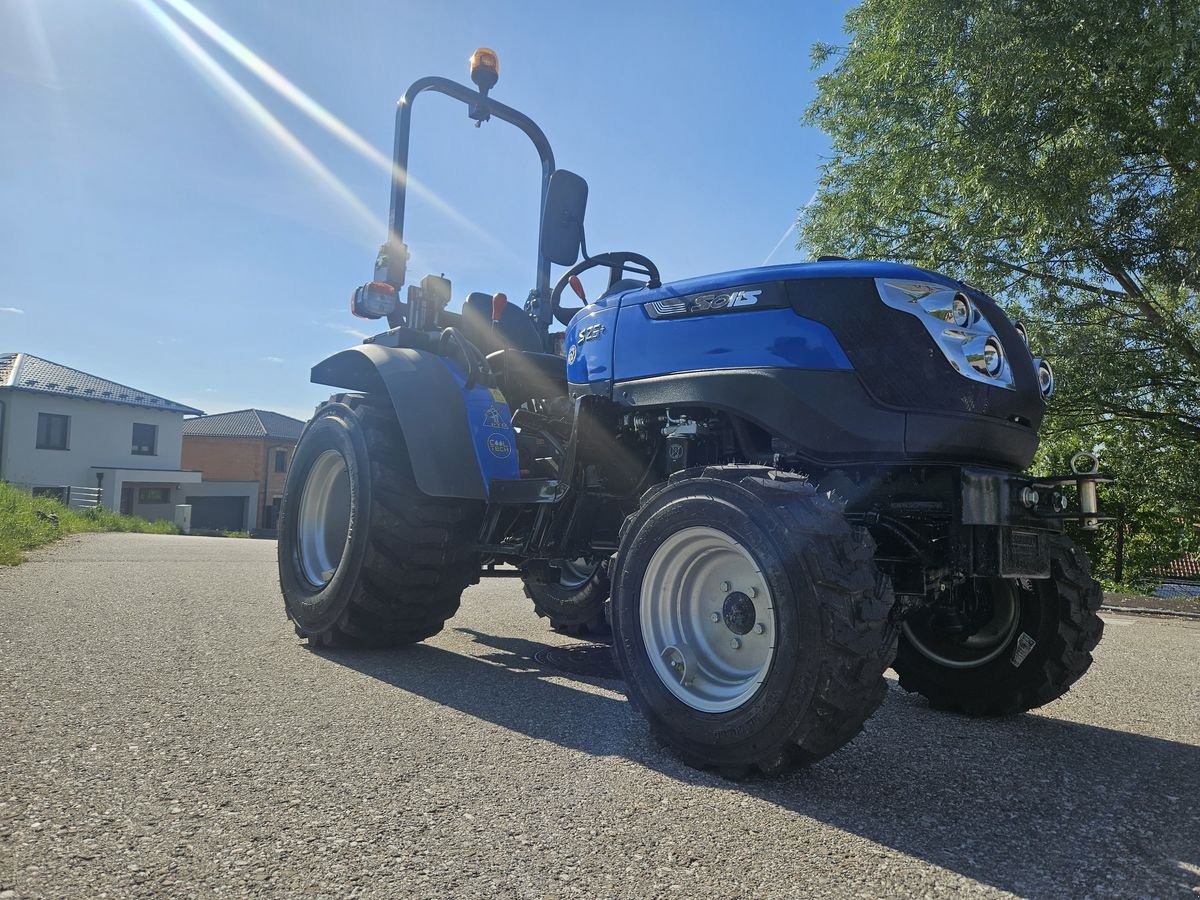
(26,372)
(246,423)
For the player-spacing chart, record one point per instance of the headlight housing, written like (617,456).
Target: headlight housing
(964,336)
(1045,377)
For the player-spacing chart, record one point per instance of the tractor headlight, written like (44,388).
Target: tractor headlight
(965,337)
(1045,377)
(993,357)
(1020,326)
(960,311)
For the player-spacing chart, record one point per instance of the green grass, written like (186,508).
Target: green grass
(22,528)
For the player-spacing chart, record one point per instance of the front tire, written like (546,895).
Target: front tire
(364,558)
(1036,644)
(575,604)
(749,620)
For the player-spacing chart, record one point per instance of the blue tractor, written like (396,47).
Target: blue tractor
(772,484)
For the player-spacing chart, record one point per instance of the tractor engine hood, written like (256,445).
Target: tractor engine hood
(894,350)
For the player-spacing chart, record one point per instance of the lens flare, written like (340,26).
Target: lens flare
(279,83)
(246,104)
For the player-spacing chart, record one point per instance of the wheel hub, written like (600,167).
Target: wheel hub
(323,521)
(997,622)
(707,619)
(738,613)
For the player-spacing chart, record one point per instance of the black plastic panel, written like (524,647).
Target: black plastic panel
(832,420)
(429,406)
(898,361)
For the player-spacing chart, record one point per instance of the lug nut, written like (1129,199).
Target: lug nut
(1029,497)
(753,592)
(735,644)
(726,587)
(760,628)
(716,617)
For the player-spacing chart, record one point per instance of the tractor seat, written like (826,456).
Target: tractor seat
(514,331)
(523,376)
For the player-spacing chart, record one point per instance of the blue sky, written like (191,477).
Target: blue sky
(157,228)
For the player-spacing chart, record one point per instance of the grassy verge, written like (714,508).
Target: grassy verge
(27,522)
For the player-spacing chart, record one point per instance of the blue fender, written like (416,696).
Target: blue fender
(458,440)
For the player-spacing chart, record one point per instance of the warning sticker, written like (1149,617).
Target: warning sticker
(493,418)
(1024,645)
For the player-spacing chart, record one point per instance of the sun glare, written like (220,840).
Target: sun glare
(254,111)
(278,82)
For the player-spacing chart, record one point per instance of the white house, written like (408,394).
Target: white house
(60,427)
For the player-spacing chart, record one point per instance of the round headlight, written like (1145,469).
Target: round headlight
(1020,326)
(1045,377)
(960,311)
(993,357)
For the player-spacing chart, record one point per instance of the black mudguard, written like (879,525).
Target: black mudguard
(429,405)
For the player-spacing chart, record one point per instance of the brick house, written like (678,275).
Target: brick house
(247,446)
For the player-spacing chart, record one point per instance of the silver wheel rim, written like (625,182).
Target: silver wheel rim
(985,644)
(323,523)
(708,620)
(575,573)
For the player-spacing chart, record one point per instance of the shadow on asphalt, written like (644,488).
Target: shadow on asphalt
(1029,804)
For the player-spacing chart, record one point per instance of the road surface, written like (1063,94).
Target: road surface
(165,734)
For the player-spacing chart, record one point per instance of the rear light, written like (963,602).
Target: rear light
(373,301)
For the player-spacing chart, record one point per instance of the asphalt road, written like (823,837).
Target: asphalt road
(165,734)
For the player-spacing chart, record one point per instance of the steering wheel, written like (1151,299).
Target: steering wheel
(618,264)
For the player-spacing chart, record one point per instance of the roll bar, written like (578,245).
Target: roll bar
(393,256)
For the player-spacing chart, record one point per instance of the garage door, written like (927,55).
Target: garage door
(218,513)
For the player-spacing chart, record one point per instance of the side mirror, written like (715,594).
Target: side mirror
(562,218)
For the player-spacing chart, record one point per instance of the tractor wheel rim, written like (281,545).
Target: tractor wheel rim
(979,648)
(323,524)
(575,573)
(707,619)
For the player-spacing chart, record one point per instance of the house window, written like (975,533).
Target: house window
(145,439)
(53,431)
(280,460)
(154,495)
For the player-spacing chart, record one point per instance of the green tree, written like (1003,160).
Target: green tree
(1048,152)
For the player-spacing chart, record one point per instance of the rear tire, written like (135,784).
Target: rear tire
(365,559)
(1031,661)
(575,605)
(702,565)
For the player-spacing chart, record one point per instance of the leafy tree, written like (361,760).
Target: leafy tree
(1048,152)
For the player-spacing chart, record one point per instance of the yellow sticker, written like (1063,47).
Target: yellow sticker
(497,396)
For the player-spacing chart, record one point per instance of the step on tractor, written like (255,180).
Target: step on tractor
(771,484)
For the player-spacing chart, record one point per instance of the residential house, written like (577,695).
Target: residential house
(60,427)
(250,446)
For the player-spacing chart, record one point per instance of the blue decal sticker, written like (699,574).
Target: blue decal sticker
(499,446)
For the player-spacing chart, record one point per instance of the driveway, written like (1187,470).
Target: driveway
(164,733)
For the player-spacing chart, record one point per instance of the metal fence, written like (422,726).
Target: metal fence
(84,497)
(72,495)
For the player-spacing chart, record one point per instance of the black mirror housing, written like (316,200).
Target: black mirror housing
(562,217)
